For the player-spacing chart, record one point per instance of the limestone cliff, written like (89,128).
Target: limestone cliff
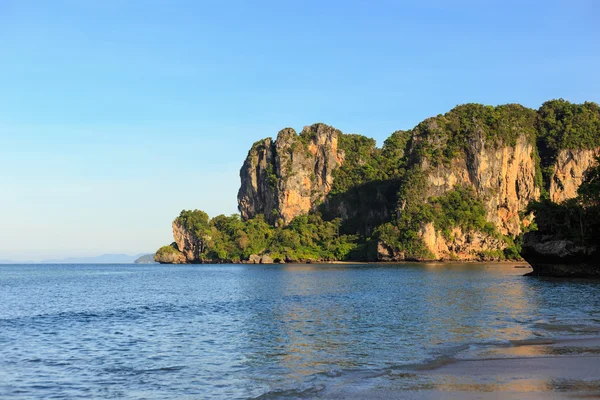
(466,246)
(492,150)
(502,176)
(387,202)
(288,177)
(473,147)
(187,242)
(569,171)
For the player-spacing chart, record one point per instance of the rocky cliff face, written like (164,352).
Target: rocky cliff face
(466,246)
(169,255)
(290,176)
(257,194)
(493,150)
(293,174)
(190,246)
(503,177)
(569,171)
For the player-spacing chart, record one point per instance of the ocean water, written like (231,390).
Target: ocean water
(283,331)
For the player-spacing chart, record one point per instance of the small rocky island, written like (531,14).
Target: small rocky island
(474,184)
(553,256)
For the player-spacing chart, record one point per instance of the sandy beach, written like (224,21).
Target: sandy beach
(535,369)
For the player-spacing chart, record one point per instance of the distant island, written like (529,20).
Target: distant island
(466,186)
(145,259)
(101,259)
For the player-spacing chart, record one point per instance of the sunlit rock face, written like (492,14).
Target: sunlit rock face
(503,177)
(465,246)
(569,171)
(288,177)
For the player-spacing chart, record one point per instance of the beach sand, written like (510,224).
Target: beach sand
(536,369)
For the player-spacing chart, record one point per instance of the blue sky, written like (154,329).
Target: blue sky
(115,115)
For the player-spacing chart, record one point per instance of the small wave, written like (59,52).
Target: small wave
(135,371)
(572,328)
(531,342)
(434,363)
(307,393)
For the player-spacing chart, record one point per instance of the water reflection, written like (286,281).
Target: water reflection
(463,302)
(311,319)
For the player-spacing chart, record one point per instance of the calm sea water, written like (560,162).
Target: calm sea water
(271,331)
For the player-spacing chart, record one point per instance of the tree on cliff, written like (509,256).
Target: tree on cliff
(589,190)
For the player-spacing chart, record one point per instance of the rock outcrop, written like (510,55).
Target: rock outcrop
(190,246)
(256,259)
(465,246)
(170,255)
(499,167)
(288,177)
(569,171)
(551,256)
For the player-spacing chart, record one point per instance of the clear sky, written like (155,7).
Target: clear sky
(116,115)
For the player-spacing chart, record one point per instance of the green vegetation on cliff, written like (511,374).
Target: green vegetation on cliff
(444,137)
(457,208)
(564,125)
(361,159)
(228,238)
(365,187)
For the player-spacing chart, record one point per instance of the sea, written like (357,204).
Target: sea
(267,331)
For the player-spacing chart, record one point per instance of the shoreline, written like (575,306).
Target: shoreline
(522,369)
(517,264)
(523,264)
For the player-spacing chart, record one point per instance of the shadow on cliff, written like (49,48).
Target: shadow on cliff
(364,207)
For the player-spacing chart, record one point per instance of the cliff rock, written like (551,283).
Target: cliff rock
(466,246)
(290,176)
(503,177)
(552,256)
(170,255)
(254,259)
(569,171)
(190,246)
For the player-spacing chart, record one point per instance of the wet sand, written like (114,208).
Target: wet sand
(537,369)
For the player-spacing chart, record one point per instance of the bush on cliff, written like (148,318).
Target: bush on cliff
(443,138)
(196,221)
